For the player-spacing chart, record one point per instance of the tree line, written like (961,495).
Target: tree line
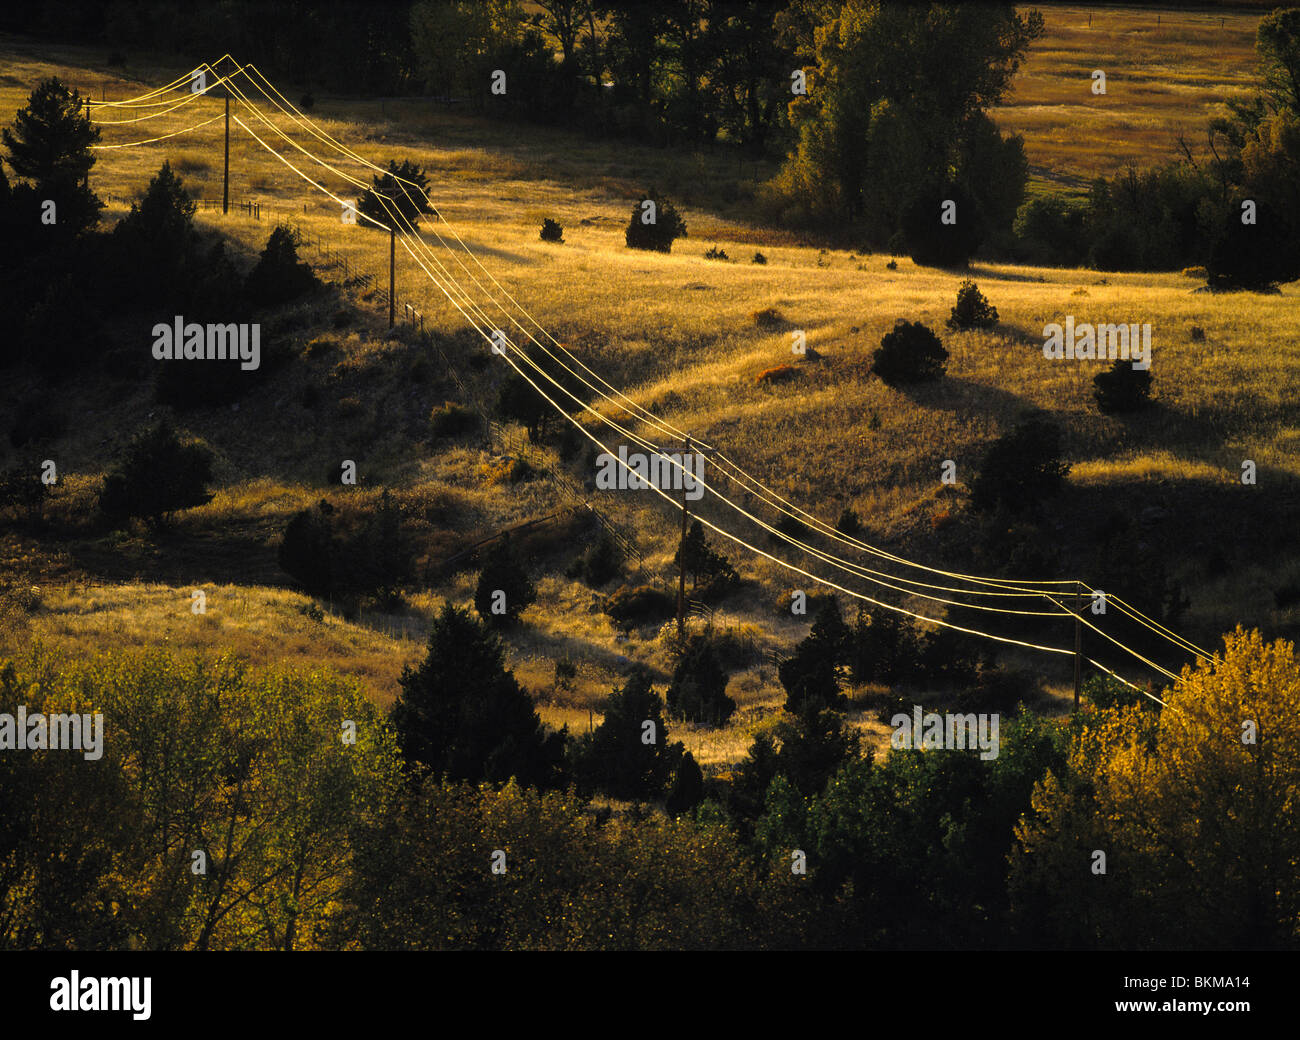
(235,808)
(880,113)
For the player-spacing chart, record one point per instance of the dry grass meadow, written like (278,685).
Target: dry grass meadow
(678,334)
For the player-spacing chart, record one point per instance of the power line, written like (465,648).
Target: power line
(1005,587)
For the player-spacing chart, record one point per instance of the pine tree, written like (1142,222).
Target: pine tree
(390,191)
(50,146)
(279,276)
(462,714)
(811,675)
(504,589)
(157,239)
(697,692)
(687,788)
(628,755)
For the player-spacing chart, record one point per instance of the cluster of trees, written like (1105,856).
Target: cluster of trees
(362,550)
(683,72)
(892,141)
(345,45)
(1232,209)
(880,110)
(66,281)
(307,819)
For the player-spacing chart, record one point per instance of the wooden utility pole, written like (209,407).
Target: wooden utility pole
(392,273)
(681,553)
(1078,649)
(225,179)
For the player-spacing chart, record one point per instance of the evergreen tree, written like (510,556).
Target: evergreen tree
(391,192)
(156,239)
(628,755)
(704,564)
(50,146)
(687,788)
(811,675)
(697,692)
(383,552)
(462,714)
(307,550)
(279,275)
(813,747)
(504,589)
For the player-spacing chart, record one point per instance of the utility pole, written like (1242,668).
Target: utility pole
(225,179)
(1078,649)
(392,273)
(681,553)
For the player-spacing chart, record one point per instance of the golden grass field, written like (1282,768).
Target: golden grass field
(677,333)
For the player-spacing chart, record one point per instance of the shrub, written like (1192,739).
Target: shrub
(451,420)
(698,690)
(23,491)
(1105,691)
(759,258)
(307,549)
(279,276)
(769,318)
(521,402)
(1051,230)
(506,471)
(319,346)
(1287,595)
(778,374)
(640,605)
(565,672)
(687,788)
(37,421)
(373,558)
(551,231)
(307,102)
(972,310)
(504,589)
(1021,469)
(848,523)
(1197,334)
(654,229)
(1122,388)
(714,253)
(909,353)
(791,527)
(601,563)
(892,265)
(158,475)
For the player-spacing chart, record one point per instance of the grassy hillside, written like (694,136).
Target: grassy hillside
(679,334)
